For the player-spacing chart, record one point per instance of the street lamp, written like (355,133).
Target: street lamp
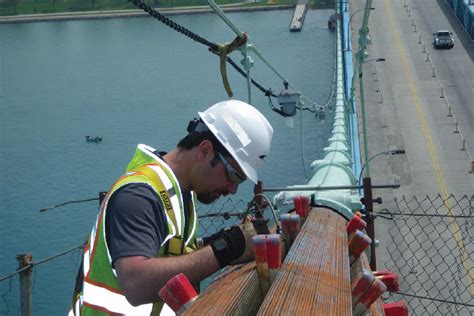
(387,152)
(349,25)
(360,56)
(351,94)
(374,59)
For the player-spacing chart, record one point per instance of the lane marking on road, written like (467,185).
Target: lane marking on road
(454,227)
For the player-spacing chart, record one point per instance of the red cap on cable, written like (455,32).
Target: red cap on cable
(299,208)
(390,281)
(178,293)
(295,225)
(274,248)
(360,286)
(305,204)
(259,248)
(396,309)
(369,297)
(355,223)
(285,224)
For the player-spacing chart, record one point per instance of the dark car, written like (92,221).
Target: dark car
(443,39)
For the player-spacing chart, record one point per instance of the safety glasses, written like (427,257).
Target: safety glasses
(233,175)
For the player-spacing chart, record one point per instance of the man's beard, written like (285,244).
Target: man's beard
(205,198)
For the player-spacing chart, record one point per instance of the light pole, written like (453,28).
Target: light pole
(386,152)
(351,93)
(368,202)
(360,56)
(349,27)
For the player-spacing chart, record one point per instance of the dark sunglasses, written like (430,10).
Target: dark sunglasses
(233,175)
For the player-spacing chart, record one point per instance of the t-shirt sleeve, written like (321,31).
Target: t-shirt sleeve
(135,221)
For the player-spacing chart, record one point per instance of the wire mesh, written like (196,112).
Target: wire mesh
(224,212)
(432,252)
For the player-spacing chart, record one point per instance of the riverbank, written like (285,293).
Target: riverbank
(133,13)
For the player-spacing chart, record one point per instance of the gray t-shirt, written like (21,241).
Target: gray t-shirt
(135,222)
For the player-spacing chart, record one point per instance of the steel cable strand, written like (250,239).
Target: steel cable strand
(3,296)
(267,92)
(213,47)
(170,23)
(33,264)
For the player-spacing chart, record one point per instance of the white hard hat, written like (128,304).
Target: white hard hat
(243,131)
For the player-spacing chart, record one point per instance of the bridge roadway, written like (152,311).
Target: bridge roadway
(408,112)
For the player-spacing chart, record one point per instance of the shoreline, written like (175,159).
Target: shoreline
(85,15)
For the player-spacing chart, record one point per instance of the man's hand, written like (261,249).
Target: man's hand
(233,245)
(248,229)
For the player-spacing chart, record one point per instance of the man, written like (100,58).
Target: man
(146,231)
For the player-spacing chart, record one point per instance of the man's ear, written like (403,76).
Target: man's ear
(205,148)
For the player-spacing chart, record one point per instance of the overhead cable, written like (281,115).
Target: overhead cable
(213,47)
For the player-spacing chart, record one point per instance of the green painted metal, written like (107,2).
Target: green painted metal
(335,168)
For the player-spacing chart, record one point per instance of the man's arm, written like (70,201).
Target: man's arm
(141,278)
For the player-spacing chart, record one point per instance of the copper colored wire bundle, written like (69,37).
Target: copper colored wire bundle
(236,292)
(314,278)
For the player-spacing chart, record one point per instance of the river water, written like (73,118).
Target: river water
(130,81)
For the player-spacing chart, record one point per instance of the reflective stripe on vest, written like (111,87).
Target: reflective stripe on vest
(113,302)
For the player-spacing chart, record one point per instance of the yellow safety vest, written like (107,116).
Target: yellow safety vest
(101,293)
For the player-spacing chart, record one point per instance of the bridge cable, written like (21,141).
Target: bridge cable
(213,47)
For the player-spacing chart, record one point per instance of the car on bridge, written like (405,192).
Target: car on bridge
(443,39)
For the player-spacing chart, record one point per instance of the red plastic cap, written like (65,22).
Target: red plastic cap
(390,281)
(360,286)
(355,241)
(375,291)
(274,249)
(355,223)
(358,248)
(177,292)
(259,248)
(297,200)
(396,309)
(285,224)
(305,203)
(295,221)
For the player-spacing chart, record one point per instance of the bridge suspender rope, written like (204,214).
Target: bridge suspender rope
(216,48)
(213,47)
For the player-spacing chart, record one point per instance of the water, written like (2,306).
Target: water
(130,81)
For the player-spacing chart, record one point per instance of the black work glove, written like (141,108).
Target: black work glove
(232,245)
